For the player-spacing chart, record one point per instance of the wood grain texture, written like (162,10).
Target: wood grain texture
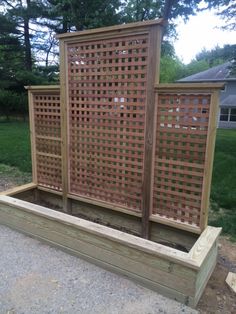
(231,281)
(106,82)
(183,87)
(170,272)
(45,128)
(65,127)
(112,217)
(118,236)
(114,138)
(131,27)
(19,189)
(209,158)
(150,122)
(32,137)
(205,242)
(185,137)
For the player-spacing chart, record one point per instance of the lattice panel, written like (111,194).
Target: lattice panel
(107,95)
(181,136)
(47,121)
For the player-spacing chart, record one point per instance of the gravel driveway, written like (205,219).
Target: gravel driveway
(36,278)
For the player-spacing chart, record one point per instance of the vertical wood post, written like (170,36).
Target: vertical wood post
(150,125)
(209,158)
(33,141)
(64,127)
(32,137)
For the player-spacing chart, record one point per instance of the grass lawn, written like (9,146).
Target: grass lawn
(15,152)
(223,191)
(15,145)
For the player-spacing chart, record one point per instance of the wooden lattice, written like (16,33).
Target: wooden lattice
(47,138)
(104,138)
(107,100)
(181,139)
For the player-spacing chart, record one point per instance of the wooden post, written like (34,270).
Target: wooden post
(209,158)
(32,137)
(33,142)
(150,125)
(64,127)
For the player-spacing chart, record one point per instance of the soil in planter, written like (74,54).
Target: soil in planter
(99,221)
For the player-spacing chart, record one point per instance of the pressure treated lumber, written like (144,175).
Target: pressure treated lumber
(231,281)
(113,30)
(173,273)
(152,79)
(115,218)
(184,152)
(123,141)
(19,189)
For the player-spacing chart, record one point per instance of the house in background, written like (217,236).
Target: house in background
(220,73)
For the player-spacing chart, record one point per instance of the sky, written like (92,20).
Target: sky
(201,32)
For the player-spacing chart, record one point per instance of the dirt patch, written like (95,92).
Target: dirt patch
(217,297)
(11,177)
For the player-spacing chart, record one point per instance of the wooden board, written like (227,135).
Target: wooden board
(45,131)
(112,161)
(116,218)
(231,281)
(184,150)
(111,136)
(166,270)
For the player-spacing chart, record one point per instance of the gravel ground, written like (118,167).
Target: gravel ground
(36,278)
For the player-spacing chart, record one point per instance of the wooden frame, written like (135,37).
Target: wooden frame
(145,162)
(179,89)
(209,124)
(153,31)
(171,272)
(73,49)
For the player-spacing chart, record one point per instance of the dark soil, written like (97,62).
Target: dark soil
(217,297)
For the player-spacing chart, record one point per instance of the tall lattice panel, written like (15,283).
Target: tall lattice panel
(107,82)
(181,139)
(46,134)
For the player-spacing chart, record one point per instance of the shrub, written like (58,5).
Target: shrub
(13,104)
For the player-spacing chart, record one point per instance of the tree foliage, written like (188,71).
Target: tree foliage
(171,69)
(227,10)
(28,48)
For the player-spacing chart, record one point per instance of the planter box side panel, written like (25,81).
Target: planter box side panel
(162,275)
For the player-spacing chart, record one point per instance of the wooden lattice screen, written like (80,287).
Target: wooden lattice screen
(108,77)
(182,152)
(114,140)
(107,95)
(45,118)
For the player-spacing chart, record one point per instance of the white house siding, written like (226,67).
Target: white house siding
(228,101)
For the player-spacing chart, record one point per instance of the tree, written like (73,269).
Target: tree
(11,52)
(140,10)
(226,9)
(30,19)
(23,13)
(218,55)
(68,15)
(210,58)
(171,69)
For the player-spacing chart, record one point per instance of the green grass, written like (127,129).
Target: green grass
(223,191)
(15,145)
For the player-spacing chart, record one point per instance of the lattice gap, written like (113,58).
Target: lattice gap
(107,102)
(181,137)
(47,120)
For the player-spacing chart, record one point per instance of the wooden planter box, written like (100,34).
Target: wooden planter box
(168,270)
(113,146)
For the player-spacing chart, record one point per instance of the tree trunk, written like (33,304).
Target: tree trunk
(28,55)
